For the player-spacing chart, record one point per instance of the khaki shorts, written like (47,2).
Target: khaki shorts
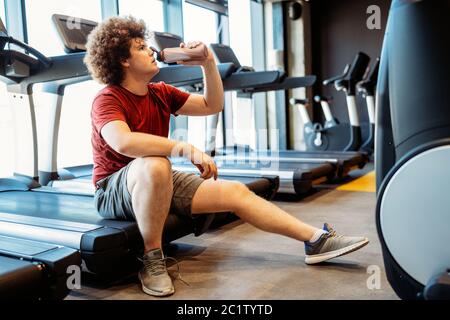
(113,200)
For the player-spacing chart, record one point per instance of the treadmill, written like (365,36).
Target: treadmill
(298,180)
(295,177)
(346,161)
(18,279)
(34,212)
(29,210)
(78,179)
(34,270)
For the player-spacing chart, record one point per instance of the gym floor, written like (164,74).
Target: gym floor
(239,261)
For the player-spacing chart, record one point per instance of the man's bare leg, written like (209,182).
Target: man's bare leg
(149,182)
(320,245)
(223,196)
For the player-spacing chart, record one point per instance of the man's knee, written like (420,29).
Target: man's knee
(236,193)
(153,170)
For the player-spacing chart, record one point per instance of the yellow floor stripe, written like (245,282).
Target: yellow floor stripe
(364,184)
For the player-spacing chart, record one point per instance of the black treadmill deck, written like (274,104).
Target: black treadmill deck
(105,245)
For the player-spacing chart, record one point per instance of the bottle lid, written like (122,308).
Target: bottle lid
(159,54)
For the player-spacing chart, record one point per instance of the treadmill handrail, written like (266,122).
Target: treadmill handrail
(45,61)
(244,172)
(339,77)
(62,66)
(248,80)
(179,75)
(287,83)
(274,159)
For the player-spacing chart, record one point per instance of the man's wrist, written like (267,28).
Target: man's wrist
(209,63)
(180,149)
(187,149)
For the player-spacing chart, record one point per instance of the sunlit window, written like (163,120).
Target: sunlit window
(6,129)
(151,11)
(198,24)
(2,11)
(41,32)
(74,147)
(241,43)
(240,30)
(6,135)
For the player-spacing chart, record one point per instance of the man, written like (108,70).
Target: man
(134,178)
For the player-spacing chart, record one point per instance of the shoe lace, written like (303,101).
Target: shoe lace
(332,233)
(178,271)
(158,266)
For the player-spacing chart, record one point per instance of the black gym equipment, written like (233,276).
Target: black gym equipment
(344,162)
(35,270)
(245,80)
(296,176)
(367,88)
(335,135)
(295,10)
(413,149)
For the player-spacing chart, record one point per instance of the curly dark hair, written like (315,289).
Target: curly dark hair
(109,44)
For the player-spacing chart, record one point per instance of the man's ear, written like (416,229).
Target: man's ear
(125,63)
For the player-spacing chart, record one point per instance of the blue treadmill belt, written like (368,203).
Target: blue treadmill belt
(25,248)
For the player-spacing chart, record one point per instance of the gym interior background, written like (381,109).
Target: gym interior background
(236,261)
(324,47)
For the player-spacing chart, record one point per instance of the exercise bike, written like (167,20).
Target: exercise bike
(334,135)
(367,89)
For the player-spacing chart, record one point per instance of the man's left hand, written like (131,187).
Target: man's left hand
(204,62)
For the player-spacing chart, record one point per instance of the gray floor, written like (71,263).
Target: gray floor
(240,262)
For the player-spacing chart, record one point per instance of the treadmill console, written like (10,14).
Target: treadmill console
(224,54)
(73,31)
(163,40)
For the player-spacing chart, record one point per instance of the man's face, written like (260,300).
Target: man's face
(141,61)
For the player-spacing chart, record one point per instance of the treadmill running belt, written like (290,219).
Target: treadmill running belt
(73,221)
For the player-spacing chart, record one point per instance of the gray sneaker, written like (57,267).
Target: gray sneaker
(154,276)
(330,245)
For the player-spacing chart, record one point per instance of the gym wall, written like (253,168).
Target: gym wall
(338,31)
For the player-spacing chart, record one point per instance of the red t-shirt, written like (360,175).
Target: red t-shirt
(146,114)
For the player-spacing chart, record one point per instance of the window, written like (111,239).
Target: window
(74,147)
(6,135)
(198,24)
(41,32)
(241,43)
(6,129)
(240,30)
(2,11)
(219,6)
(74,143)
(151,11)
